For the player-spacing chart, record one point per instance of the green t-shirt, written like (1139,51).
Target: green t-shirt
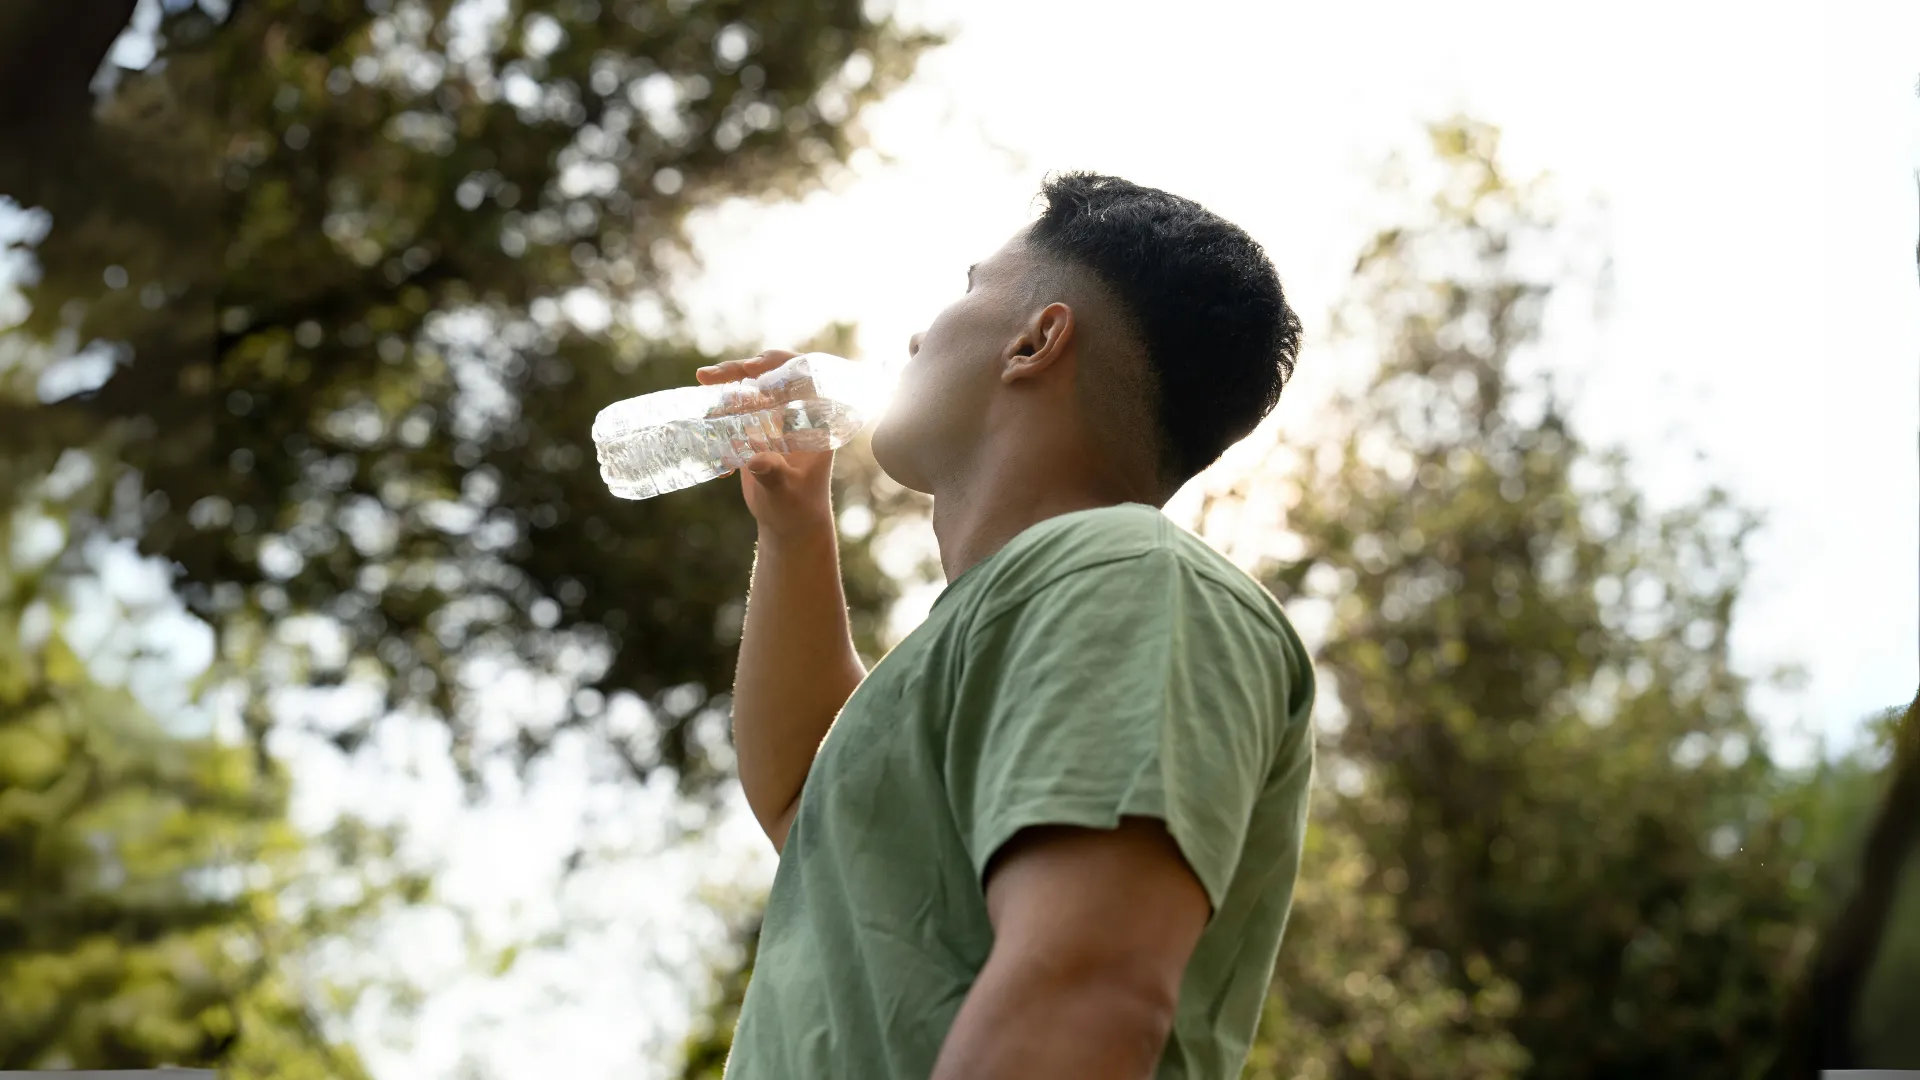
(1104,663)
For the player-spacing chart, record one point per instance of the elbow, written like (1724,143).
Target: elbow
(1122,1027)
(1040,1020)
(1146,1015)
(1141,1000)
(1132,1017)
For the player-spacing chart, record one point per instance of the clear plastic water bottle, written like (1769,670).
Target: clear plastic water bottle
(674,439)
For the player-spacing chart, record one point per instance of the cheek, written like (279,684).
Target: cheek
(935,384)
(953,328)
(919,388)
(922,373)
(923,404)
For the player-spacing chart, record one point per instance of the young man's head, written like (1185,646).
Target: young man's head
(1119,343)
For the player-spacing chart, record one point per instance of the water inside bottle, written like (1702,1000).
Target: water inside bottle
(654,460)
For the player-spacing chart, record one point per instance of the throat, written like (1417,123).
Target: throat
(971,527)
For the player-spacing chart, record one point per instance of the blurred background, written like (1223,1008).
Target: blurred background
(349,728)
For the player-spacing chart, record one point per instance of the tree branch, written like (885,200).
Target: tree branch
(1824,1012)
(48,56)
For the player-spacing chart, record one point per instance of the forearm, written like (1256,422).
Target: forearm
(1018,1023)
(797,668)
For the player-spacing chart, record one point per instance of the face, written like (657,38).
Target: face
(939,410)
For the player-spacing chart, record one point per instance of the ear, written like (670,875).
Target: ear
(1043,342)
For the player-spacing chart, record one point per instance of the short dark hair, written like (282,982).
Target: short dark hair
(1220,338)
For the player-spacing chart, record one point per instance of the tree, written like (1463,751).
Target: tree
(151,887)
(1852,1004)
(1537,738)
(1354,996)
(1548,838)
(321,304)
(331,294)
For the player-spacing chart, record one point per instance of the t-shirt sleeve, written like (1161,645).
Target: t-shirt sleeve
(1137,687)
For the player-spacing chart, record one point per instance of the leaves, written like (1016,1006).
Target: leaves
(1549,764)
(136,873)
(1548,839)
(367,273)
(331,292)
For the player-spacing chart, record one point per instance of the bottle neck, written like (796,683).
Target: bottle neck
(808,377)
(792,381)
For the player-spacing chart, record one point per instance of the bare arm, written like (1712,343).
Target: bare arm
(797,663)
(797,668)
(1092,932)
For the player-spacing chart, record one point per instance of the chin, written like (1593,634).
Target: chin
(892,460)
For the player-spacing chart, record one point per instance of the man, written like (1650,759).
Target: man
(1054,832)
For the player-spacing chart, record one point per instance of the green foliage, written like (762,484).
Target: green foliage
(322,305)
(1549,840)
(704,1057)
(1854,1002)
(1890,996)
(1536,737)
(353,266)
(1355,997)
(1890,992)
(145,880)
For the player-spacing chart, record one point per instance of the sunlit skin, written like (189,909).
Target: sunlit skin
(989,419)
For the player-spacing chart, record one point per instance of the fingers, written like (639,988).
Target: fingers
(719,373)
(768,360)
(777,468)
(735,370)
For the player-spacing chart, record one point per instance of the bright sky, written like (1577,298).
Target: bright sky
(1757,165)
(1756,162)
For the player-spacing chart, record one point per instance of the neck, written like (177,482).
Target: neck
(975,519)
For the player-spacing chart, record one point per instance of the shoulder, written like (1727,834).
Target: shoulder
(1126,548)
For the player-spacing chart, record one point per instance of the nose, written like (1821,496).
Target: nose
(913,344)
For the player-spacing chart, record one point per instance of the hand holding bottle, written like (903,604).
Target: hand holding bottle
(789,494)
